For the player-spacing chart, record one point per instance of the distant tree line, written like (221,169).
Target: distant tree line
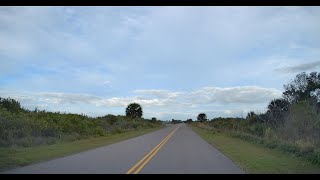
(173,121)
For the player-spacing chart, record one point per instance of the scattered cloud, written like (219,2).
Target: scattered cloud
(300,67)
(159,93)
(175,61)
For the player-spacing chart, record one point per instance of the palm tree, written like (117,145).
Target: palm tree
(134,110)
(202,117)
(250,114)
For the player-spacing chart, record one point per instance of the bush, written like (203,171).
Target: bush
(19,127)
(315,157)
(302,123)
(259,133)
(257,129)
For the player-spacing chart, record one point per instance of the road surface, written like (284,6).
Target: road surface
(175,149)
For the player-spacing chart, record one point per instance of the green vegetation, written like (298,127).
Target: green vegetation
(134,110)
(254,158)
(202,117)
(19,156)
(28,136)
(188,121)
(290,125)
(173,121)
(23,128)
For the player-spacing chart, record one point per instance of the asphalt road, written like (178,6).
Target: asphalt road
(175,149)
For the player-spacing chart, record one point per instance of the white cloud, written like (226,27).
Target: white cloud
(81,51)
(244,95)
(124,101)
(159,93)
(165,103)
(74,99)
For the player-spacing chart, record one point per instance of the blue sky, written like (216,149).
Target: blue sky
(175,61)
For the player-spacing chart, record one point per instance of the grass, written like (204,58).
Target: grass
(254,158)
(14,157)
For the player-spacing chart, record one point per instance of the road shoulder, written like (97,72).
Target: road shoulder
(253,158)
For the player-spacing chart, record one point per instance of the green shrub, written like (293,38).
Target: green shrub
(30,128)
(303,122)
(315,157)
(257,129)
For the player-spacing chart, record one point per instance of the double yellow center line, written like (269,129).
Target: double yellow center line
(138,167)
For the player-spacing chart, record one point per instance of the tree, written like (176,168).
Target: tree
(303,87)
(189,121)
(134,110)
(153,119)
(11,105)
(276,111)
(173,121)
(252,117)
(250,114)
(202,117)
(279,105)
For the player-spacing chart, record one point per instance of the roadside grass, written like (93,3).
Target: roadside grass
(254,158)
(21,156)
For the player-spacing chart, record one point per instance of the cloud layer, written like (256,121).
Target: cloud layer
(156,100)
(175,61)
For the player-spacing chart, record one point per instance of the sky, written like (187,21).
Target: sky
(175,62)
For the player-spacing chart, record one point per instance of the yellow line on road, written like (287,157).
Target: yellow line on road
(152,153)
(134,167)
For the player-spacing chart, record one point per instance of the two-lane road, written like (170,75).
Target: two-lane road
(175,149)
